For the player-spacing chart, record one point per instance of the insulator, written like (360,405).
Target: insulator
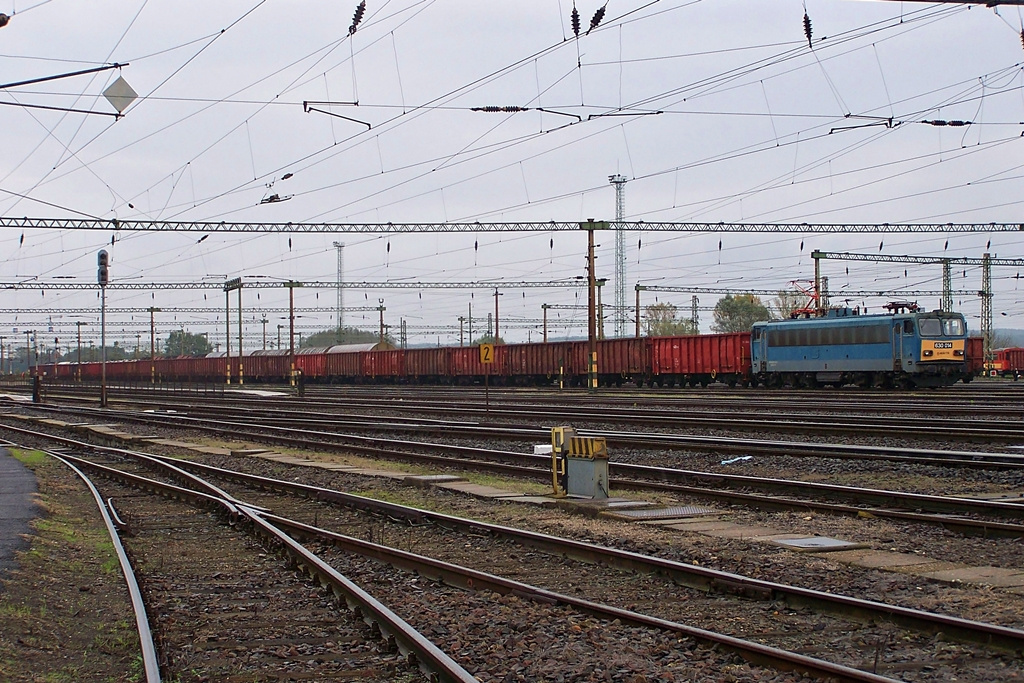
(576,21)
(807,29)
(357,17)
(598,16)
(4,19)
(1022,37)
(497,110)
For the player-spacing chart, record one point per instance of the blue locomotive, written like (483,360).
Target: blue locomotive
(905,348)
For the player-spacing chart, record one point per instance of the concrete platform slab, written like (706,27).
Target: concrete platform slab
(619,504)
(881,559)
(543,501)
(698,527)
(380,473)
(425,480)
(818,544)
(477,490)
(992,576)
(248,451)
(212,450)
(678,512)
(740,531)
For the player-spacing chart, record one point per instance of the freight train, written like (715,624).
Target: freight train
(904,349)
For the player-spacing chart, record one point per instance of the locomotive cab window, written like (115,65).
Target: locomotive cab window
(931,327)
(953,327)
(908,327)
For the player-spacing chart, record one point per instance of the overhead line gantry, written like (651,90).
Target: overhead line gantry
(512,226)
(985,262)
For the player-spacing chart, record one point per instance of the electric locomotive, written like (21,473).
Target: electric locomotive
(904,348)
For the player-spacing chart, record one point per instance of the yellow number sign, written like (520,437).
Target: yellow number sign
(487,353)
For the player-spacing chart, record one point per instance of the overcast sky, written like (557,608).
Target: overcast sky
(714,110)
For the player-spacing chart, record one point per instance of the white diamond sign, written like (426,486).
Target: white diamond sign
(120,95)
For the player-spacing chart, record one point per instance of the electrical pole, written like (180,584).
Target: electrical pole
(227,329)
(545,307)
(241,355)
(496,295)
(103,277)
(620,254)
(462,319)
(152,344)
(264,321)
(340,246)
(381,309)
(694,316)
(590,226)
(638,288)
(78,361)
(986,308)
(291,285)
(470,323)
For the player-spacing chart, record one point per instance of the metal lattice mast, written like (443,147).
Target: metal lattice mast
(694,316)
(947,286)
(620,254)
(823,295)
(986,307)
(340,246)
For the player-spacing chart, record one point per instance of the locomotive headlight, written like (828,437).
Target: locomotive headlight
(927,353)
(958,352)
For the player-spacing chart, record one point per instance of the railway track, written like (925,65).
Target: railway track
(435,610)
(964,515)
(230,632)
(843,418)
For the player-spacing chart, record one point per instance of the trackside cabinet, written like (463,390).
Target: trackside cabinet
(579,464)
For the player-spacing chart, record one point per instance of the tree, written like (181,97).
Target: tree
(787,301)
(487,339)
(348,335)
(661,320)
(182,343)
(739,313)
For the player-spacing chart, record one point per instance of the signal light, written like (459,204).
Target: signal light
(103,272)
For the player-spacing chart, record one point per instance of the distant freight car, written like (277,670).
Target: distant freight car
(1009,362)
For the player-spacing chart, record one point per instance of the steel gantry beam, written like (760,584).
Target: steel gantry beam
(283,284)
(858,294)
(886,258)
(519,226)
(986,262)
(207,310)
